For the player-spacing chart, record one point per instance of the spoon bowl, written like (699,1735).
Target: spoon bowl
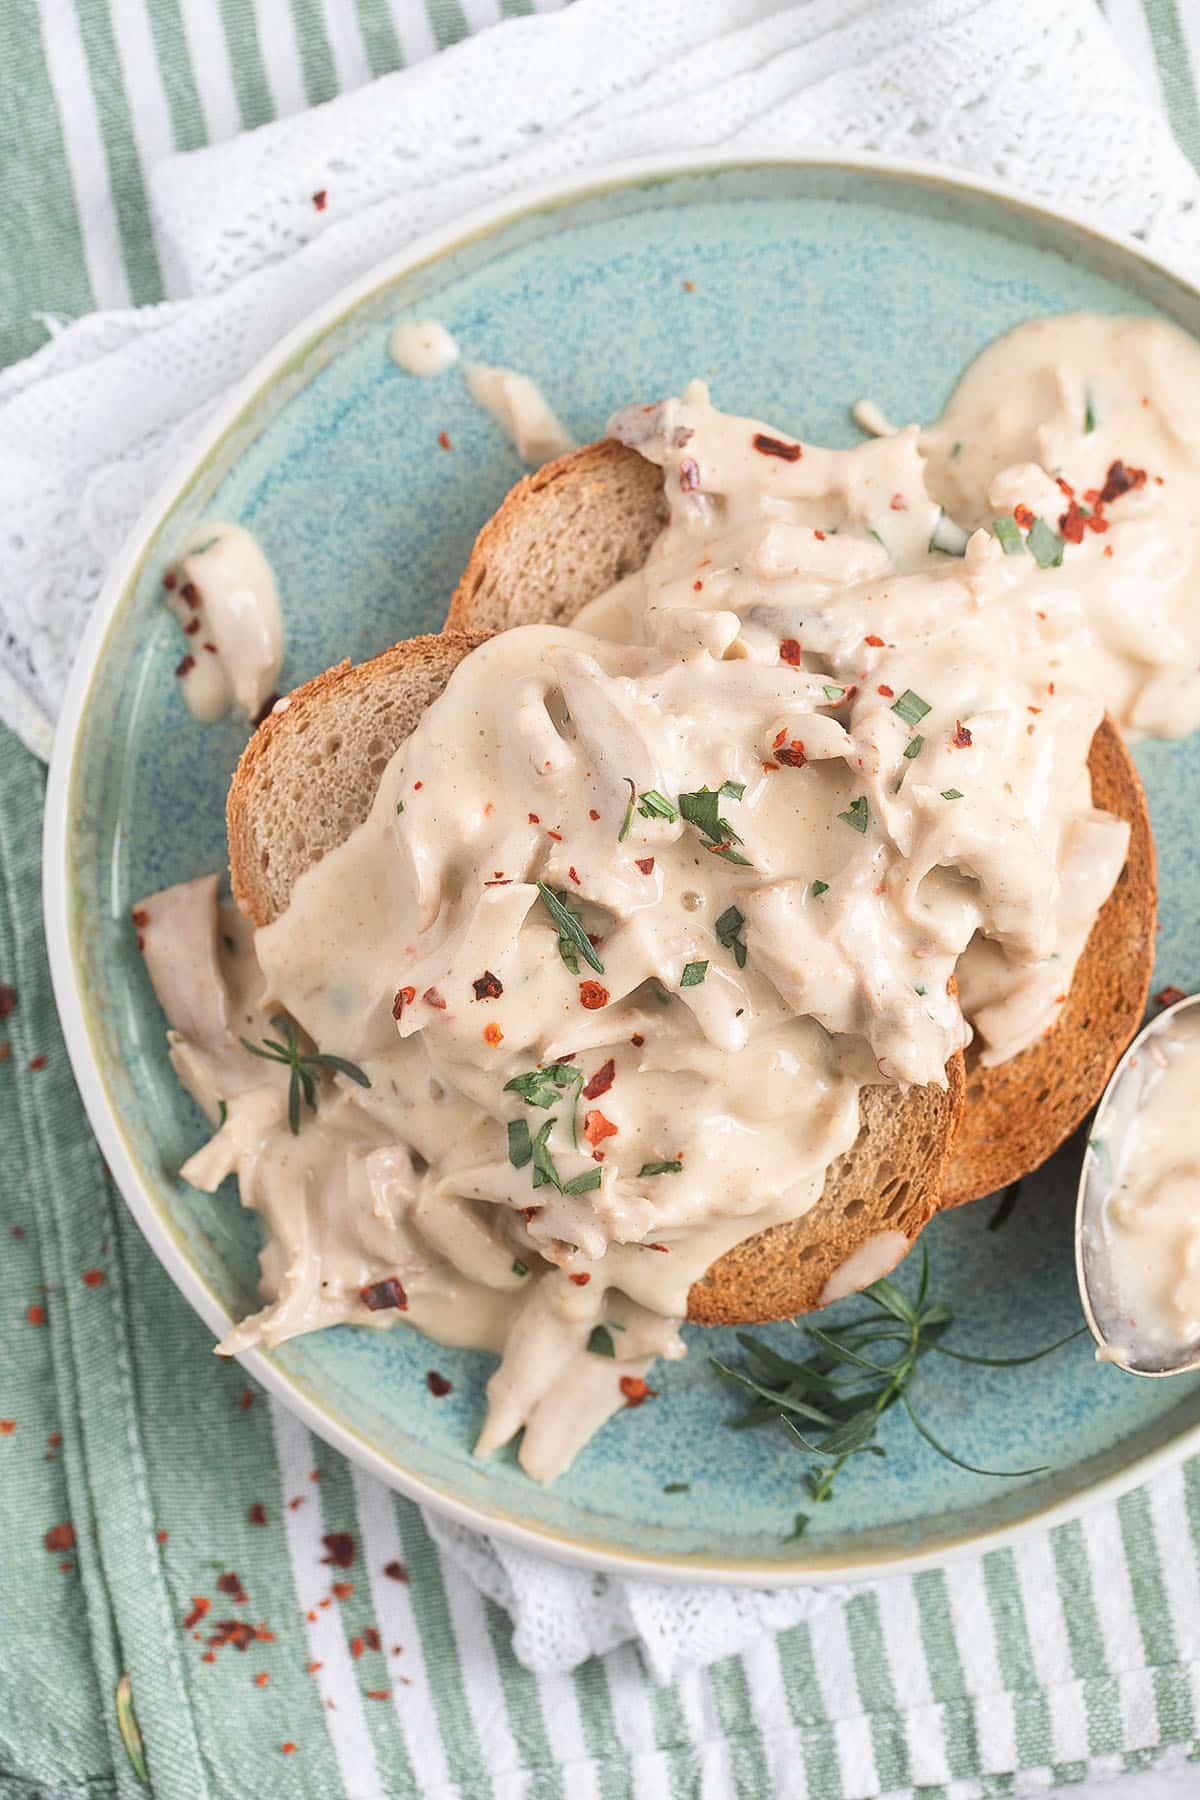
(1121,1338)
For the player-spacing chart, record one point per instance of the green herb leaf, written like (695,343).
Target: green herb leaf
(520,1268)
(971,1468)
(678,1487)
(600,1343)
(727,929)
(799,1527)
(571,935)
(544,1087)
(951,793)
(1008,535)
(1089,414)
(820,887)
(1044,545)
(693,974)
(701,809)
(834,693)
(660,1168)
(399,807)
(913,747)
(583,1184)
(858,816)
(303,1067)
(127,1723)
(911,707)
(653,805)
(520,1144)
(339,1063)
(627,821)
(732,790)
(544,1170)
(222,1112)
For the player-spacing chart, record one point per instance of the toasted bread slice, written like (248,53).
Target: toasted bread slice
(308,777)
(1015,1115)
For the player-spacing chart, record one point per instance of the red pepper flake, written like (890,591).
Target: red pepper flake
(533,819)
(444,440)
(378,1693)
(341,1547)
(297,1500)
(289,1747)
(1066,487)
(262,1678)
(1108,549)
(792,754)
(698,587)
(404,997)
(772,446)
(664,1249)
(36,1314)
(341,1590)
(592,995)
(140,917)
(645,864)
(191,593)
(898,504)
(18,1231)
(246,1400)
(1033,709)
(1169,996)
(7,1427)
(1023,517)
(395,1571)
(231,1584)
(257,1514)
(320,198)
(1049,687)
(492,1034)
(580,1280)
(1097,521)
(169,580)
(1119,480)
(161,1536)
(314,1474)
(185,665)
(689,287)
(962,737)
(770,768)
(372,1637)
(488,986)
(601,1081)
(36,1063)
(211,648)
(93,1278)
(635,1390)
(1071,523)
(437,1384)
(574,876)
(356,1647)
(200,1604)
(887,692)
(876,643)
(312,1667)
(592,813)
(556,835)
(596,1128)
(689,475)
(819,534)
(417,786)
(208,1656)
(637,1040)
(789,652)
(433,998)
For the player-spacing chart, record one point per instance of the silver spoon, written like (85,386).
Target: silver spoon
(1118,1340)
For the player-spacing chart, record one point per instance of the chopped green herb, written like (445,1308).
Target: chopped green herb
(858,815)
(399,806)
(583,1184)
(956,452)
(627,821)
(543,1163)
(1089,414)
(520,1268)
(223,1111)
(571,935)
(693,974)
(832,692)
(919,990)
(701,809)
(819,888)
(732,790)
(911,707)
(520,1146)
(678,1487)
(727,928)
(653,805)
(913,747)
(951,793)
(1045,545)
(600,1343)
(305,1067)
(799,1527)
(544,1087)
(948,536)
(660,1168)
(1008,536)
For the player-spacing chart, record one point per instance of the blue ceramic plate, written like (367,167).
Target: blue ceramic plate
(794,287)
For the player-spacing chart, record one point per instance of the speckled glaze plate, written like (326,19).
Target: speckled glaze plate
(794,287)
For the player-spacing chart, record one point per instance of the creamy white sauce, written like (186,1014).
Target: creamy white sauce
(791,604)
(521,411)
(225,599)
(872,419)
(422,347)
(1146,1154)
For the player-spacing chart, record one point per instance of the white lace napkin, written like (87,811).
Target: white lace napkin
(1035,92)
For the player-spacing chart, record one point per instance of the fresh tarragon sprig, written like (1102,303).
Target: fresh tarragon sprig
(832,1402)
(305,1066)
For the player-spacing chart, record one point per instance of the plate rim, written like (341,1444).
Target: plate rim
(82,1048)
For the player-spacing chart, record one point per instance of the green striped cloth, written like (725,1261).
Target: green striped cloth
(286,1626)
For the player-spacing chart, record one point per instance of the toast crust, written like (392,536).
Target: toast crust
(1016,1115)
